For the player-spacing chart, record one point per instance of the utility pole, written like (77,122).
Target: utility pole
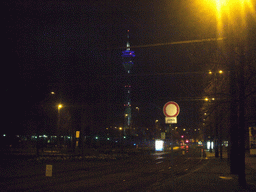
(233,126)
(241,119)
(216,131)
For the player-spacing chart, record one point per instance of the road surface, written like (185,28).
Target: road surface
(138,172)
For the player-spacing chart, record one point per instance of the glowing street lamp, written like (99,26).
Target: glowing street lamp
(60,106)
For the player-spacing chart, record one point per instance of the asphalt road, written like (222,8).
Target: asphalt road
(140,172)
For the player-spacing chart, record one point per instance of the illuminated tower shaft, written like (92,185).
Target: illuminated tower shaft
(127,56)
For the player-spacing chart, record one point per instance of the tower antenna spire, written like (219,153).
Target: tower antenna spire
(128,44)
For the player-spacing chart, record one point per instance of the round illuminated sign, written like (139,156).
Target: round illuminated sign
(171,109)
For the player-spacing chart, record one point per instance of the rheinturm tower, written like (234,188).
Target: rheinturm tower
(127,56)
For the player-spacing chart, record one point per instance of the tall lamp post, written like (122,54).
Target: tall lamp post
(236,27)
(217,143)
(58,124)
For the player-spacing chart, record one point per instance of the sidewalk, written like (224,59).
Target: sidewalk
(213,176)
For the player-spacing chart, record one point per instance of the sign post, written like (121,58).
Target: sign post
(171,110)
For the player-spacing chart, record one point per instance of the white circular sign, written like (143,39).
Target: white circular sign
(171,109)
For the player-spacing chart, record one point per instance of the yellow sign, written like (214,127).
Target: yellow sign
(48,171)
(163,135)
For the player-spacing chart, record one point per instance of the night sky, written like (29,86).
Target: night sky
(74,49)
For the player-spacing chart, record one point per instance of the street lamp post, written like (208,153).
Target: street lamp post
(236,11)
(217,140)
(58,124)
(120,140)
(236,39)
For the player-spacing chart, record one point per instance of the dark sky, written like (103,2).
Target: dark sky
(74,49)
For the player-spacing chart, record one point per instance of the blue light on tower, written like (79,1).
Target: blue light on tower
(127,56)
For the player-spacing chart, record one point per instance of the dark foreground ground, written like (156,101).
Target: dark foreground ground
(129,170)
